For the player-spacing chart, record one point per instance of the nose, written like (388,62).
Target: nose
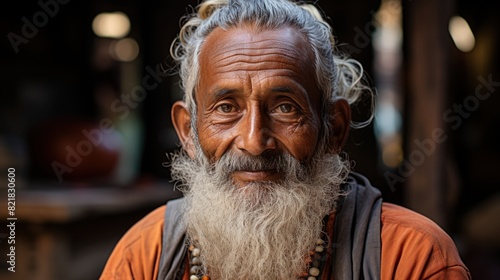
(255,135)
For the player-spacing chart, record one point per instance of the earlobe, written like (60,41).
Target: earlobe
(340,122)
(181,119)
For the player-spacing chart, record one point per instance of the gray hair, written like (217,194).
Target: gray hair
(339,77)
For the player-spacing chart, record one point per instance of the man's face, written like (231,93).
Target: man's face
(257,96)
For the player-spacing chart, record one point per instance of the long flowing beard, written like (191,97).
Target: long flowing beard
(263,230)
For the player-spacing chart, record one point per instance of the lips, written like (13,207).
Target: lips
(256,175)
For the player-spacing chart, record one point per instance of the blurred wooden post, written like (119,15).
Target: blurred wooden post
(427,62)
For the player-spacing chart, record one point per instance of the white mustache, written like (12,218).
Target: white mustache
(279,162)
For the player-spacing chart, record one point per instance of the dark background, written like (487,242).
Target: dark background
(49,87)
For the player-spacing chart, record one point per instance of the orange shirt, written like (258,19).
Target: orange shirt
(413,247)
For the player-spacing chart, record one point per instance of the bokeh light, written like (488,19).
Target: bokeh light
(111,25)
(461,34)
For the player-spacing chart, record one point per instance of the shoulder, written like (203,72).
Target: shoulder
(150,225)
(137,254)
(404,220)
(414,247)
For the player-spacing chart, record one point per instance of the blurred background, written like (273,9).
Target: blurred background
(85,121)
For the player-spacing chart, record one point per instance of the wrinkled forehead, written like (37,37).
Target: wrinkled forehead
(287,42)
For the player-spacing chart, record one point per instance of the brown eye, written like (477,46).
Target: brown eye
(225,108)
(286,108)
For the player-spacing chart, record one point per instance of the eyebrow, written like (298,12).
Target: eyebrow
(282,89)
(221,92)
(299,92)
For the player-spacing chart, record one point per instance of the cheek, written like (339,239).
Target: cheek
(301,141)
(214,140)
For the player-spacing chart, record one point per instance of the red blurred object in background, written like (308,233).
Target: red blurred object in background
(73,149)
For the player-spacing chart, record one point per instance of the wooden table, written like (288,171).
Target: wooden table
(68,232)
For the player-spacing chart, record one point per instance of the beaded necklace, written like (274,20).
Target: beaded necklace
(314,259)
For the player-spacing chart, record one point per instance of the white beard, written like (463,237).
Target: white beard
(263,230)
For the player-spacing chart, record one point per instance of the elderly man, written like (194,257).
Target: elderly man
(267,194)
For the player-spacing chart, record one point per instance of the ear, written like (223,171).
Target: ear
(181,119)
(340,122)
